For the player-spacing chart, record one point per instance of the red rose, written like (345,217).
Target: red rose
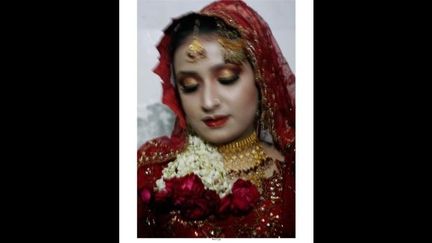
(145,195)
(225,204)
(195,208)
(213,199)
(200,207)
(161,196)
(190,184)
(187,188)
(195,202)
(244,196)
(166,193)
(190,196)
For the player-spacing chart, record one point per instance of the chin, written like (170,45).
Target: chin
(217,136)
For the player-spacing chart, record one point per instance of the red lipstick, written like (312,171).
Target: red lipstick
(216,121)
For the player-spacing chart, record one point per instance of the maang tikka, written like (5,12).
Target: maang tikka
(195,49)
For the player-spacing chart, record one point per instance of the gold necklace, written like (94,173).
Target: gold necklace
(243,155)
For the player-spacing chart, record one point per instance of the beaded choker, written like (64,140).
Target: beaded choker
(243,155)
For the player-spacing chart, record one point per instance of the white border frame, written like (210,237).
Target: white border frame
(128,124)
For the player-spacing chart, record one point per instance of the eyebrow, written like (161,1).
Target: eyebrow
(186,73)
(214,68)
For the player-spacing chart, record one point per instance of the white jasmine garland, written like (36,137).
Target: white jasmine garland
(204,161)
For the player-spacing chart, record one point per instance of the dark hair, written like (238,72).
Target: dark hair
(207,25)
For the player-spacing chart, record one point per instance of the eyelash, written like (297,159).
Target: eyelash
(228,81)
(223,81)
(187,90)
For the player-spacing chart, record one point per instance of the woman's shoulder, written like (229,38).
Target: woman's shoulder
(159,150)
(148,174)
(153,156)
(286,161)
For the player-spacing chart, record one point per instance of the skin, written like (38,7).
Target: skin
(211,86)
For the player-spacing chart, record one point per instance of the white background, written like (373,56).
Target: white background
(129,71)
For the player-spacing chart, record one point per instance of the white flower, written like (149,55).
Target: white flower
(204,161)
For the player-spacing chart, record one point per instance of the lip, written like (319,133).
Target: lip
(215,121)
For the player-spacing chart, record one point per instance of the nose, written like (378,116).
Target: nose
(209,99)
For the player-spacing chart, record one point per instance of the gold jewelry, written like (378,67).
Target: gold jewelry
(256,175)
(243,155)
(195,49)
(232,44)
(233,50)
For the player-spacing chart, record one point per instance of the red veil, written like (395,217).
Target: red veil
(274,78)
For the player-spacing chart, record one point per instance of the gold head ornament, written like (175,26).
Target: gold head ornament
(195,49)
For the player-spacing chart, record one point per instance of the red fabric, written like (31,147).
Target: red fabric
(277,80)
(276,83)
(270,217)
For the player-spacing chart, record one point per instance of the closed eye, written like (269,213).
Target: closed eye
(228,80)
(187,89)
(228,76)
(188,84)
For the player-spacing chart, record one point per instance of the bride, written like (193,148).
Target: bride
(228,168)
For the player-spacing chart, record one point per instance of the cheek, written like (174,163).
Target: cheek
(249,101)
(245,96)
(247,92)
(243,103)
(190,105)
(250,95)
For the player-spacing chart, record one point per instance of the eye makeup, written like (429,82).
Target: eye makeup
(188,84)
(228,74)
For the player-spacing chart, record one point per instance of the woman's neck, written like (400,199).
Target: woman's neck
(242,155)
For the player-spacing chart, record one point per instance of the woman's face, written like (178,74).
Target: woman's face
(220,99)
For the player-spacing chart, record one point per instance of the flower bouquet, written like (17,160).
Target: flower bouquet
(197,184)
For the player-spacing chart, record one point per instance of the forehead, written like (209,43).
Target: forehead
(214,54)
